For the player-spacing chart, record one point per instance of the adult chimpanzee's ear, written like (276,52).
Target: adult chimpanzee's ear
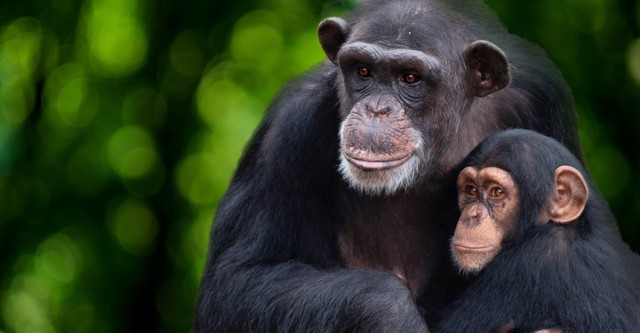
(570,195)
(332,33)
(487,68)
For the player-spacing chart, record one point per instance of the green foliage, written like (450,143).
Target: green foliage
(121,122)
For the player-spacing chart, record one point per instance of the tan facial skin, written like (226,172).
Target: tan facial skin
(488,199)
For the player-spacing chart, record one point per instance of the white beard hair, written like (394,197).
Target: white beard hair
(383,182)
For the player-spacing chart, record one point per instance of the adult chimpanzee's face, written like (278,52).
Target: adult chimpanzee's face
(381,149)
(400,105)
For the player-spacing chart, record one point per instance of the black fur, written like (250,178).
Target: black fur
(275,263)
(578,277)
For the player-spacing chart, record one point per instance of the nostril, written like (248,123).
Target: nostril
(470,222)
(378,111)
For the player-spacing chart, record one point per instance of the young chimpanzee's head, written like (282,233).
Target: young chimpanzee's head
(512,182)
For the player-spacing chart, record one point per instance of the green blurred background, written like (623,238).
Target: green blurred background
(121,122)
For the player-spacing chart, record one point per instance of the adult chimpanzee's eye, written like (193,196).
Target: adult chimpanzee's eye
(471,190)
(496,192)
(364,72)
(410,78)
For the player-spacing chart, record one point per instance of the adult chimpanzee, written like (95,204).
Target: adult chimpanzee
(544,241)
(335,219)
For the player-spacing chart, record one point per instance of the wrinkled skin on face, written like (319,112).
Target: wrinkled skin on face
(377,134)
(401,103)
(379,147)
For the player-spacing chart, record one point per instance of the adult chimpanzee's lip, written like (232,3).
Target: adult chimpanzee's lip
(472,248)
(368,165)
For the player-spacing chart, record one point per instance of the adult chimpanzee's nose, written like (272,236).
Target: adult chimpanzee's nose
(378,110)
(382,105)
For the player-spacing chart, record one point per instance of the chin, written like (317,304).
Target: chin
(472,262)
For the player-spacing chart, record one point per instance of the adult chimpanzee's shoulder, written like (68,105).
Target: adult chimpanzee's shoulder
(307,93)
(302,118)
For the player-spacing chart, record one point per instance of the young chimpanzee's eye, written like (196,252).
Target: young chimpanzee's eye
(471,190)
(364,72)
(410,78)
(496,192)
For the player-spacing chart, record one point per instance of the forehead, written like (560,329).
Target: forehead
(380,53)
(407,36)
(485,175)
(405,24)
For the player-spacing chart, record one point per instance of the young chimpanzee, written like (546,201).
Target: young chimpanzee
(542,241)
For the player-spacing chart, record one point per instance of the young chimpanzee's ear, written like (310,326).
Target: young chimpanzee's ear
(332,33)
(487,68)
(570,195)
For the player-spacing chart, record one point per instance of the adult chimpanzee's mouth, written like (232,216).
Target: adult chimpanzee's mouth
(376,165)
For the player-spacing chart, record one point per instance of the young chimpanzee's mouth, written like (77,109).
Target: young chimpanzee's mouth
(376,165)
(472,248)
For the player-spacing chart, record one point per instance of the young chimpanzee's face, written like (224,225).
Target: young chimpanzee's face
(488,200)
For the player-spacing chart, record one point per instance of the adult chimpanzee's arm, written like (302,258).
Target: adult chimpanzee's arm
(295,297)
(274,242)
